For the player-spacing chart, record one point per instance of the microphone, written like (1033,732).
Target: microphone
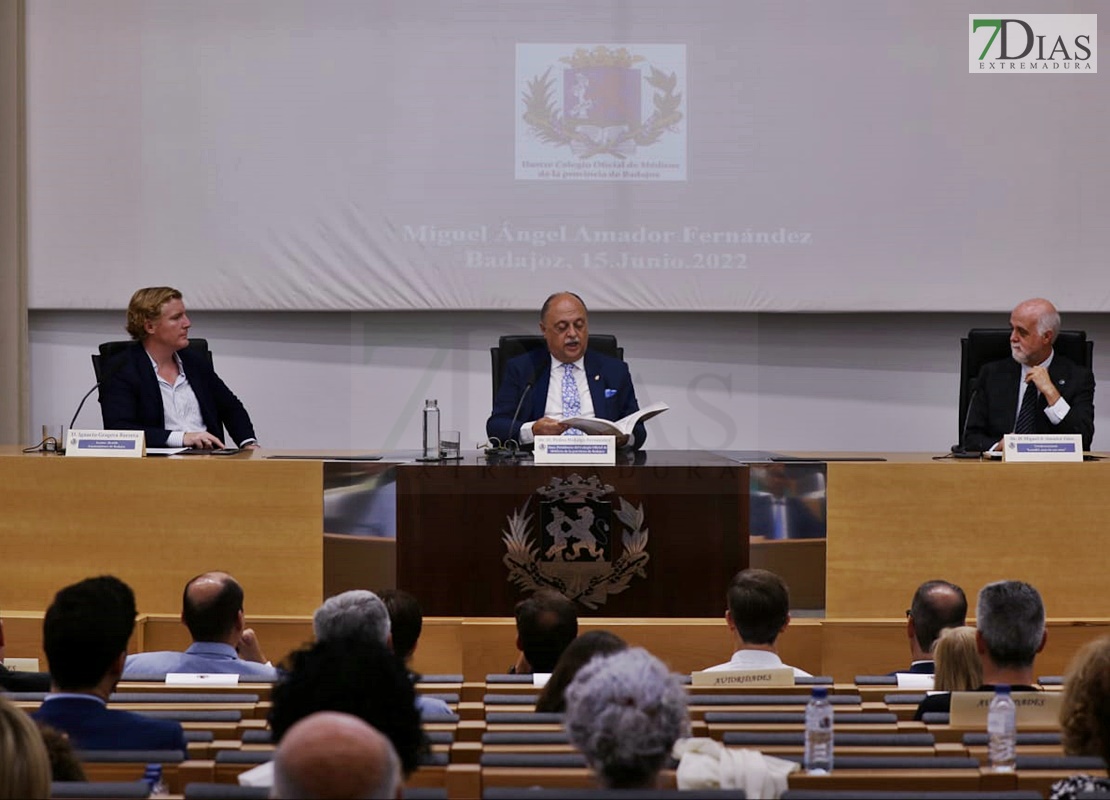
(117,362)
(504,450)
(958,449)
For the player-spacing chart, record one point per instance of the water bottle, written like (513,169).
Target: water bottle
(1002,730)
(819,733)
(153,776)
(431,430)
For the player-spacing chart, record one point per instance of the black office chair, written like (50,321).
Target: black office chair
(108,351)
(983,345)
(509,347)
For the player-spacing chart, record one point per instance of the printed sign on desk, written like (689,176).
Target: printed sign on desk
(576,450)
(106,444)
(1042,447)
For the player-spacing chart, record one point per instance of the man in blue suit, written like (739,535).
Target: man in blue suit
(562,380)
(159,386)
(85,633)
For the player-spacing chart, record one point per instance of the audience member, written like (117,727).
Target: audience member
(351,675)
(85,633)
(333,756)
(361,614)
(958,668)
(624,713)
(64,765)
(578,653)
(18,681)
(936,605)
(24,764)
(546,623)
(758,611)
(1085,717)
(160,386)
(1010,631)
(212,610)
(406,620)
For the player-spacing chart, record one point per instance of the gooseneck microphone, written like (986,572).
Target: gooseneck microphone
(959,450)
(504,451)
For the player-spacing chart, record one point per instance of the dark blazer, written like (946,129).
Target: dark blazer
(92,726)
(800,521)
(605,375)
(993,408)
(131,400)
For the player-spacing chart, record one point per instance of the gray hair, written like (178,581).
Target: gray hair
(1010,618)
(357,614)
(624,713)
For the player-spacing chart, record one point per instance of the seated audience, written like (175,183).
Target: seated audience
(24,764)
(361,614)
(17,681)
(212,610)
(546,623)
(936,605)
(624,713)
(958,668)
(578,653)
(406,620)
(1085,717)
(64,765)
(758,611)
(85,633)
(1010,631)
(351,675)
(332,756)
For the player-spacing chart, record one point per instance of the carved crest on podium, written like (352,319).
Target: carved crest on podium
(572,549)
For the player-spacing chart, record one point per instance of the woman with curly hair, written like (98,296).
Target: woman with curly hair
(1085,716)
(624,714)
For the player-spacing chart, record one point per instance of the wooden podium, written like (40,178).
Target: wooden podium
(453,520)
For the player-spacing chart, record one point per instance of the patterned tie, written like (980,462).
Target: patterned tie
(1027,415)
(572,404)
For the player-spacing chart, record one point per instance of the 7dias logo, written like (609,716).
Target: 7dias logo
(1052,43)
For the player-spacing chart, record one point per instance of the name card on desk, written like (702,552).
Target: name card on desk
(1033,709)
(201,679)
(1042,447)
(575,450)
(106,444)
(744,678)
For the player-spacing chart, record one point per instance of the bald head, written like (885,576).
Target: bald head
(936,605)
(334,755)
(212,608)
(1033,328)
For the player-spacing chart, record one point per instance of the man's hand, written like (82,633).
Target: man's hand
(248,648)
(202,440)
(1039,377)
(548,427)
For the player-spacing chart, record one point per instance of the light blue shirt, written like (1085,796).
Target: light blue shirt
(201,657)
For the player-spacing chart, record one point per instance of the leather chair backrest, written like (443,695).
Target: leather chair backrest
(509,347)
(983,345)
(108,351)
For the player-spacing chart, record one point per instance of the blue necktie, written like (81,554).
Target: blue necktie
(572,404)
(1027,415)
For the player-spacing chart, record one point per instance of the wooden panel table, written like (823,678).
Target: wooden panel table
(453,520)
(895,524)
(156,522)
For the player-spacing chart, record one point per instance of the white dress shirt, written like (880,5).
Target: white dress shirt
(554,405)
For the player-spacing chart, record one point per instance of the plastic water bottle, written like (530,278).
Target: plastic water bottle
(153,776)
(431,430)
(1002,730)
(819,733)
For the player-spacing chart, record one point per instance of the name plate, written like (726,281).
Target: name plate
(1042,447)
(21,664)
(106,444)
(201,679)
(744,678)
(1034,709)
(915,680)
(576,450)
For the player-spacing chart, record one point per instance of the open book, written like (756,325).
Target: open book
(603,427)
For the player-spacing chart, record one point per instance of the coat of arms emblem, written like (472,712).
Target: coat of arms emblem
(574,547)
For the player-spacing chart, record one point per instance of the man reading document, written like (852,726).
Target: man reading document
(561,381)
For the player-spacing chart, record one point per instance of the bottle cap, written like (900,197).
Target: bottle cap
(1002,688)
(820,692)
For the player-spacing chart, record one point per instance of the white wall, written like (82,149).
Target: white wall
(872,382)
